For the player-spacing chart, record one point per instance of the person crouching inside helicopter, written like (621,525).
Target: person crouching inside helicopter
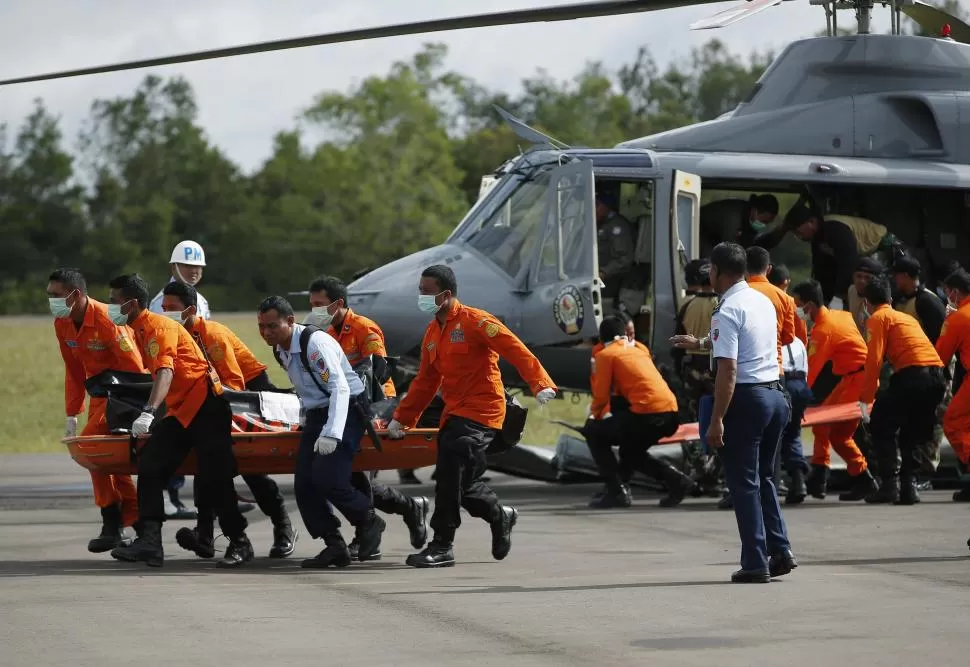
(642,411)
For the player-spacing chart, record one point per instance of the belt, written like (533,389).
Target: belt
(773,384)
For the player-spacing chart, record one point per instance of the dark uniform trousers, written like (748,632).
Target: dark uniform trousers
(265,490)
(322,480)
(461,462)
(209,435)
(753,425)
(634,434)
(383,497)
(907,410)
(800,396)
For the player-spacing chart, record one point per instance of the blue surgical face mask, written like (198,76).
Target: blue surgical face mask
(757,225)
(114,312)
(59,307)
(426,302)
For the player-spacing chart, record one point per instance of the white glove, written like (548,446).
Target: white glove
(394,430)
(545,396)
(836,304)
(864,409)
(608,415)
(325,445)
(70,427)
(142,424)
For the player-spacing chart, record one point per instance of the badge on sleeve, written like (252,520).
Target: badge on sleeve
(491,329)
(325,375)
(314,355)
(869,335)
(124,344)
(811,348)
(714,335)
(152,348)
(217,353)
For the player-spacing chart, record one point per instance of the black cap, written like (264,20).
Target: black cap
(870,265)
(908,265)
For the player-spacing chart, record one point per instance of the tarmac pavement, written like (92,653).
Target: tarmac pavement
(643,586)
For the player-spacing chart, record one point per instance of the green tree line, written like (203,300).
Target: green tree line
(397,162)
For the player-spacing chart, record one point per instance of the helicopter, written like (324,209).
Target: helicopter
(869,124)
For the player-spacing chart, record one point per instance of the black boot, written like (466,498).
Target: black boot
(962,495)
(908,492)
(354,549)
(284,537)
(416,520)
(862,485)
(111,535)
(336,554)
(678,486)
(369,537)
(239,551)
(502,527)
(608,499)
(817,481)
(436,554)
(797,490)
(147,548)
(888,491)
(199,540)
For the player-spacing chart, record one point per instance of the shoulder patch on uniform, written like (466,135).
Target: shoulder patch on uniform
(216,352)
(714,335)
(372,336)
(325,375)
(315,355)
(458,335)
(152,348)
(491,330)
(811,347)
(124,344)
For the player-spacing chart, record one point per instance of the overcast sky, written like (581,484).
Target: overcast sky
(244,100)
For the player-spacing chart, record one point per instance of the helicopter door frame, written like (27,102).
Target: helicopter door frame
(685,202)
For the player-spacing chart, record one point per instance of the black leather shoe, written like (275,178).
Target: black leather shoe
(750,577)
(353,549)
(862,485)
(239,551)
(678,486)
(502,532)
(147,548)
(817,482)
(797,491)
(434,555)
(888,493)
(284,541)
(111,535)
(416,521)
(190,539)
(369,537)
(725,503)
(335,555)
(606,500)
(781,564)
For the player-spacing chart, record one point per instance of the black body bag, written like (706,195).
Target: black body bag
(126,394)
(512,428)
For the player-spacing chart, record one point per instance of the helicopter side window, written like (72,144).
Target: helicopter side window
(507,237)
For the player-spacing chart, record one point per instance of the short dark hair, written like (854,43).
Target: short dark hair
(611,327)
(333,287)
(277,303)
(444,276)
(800,214)
(72,278)
(698,271)
(779,274)
(131,286)
(809,291)
(729,259)
(764,203)
(959,280)
(758,260)
(908,265)
(877,291)
(186,293)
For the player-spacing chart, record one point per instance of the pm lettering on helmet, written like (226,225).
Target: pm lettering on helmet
(192,254)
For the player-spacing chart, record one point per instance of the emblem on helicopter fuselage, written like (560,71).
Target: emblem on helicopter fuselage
(568,310)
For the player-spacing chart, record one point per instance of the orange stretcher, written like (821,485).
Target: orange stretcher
(274,452)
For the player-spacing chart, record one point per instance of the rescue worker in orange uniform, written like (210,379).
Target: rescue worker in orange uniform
(907,408)
(197,417)
(633,408)
(759,264)
(239,370)
(361,340)
(459,355)
(91,344)
(837,355)
(955,339)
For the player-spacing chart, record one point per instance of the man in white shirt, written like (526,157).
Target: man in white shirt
(751,410)
(794,358)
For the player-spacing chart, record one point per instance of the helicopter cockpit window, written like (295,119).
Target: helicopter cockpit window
(568,223)
(508,235)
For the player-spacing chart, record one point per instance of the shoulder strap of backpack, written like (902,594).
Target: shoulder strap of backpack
(305,335)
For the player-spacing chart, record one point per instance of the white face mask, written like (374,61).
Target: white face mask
(802,315)
(114,312)
(427,303)
(319,317)
(176,315)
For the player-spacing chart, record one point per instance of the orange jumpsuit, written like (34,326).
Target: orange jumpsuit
(461,359)
(234,362)
(167,344)
(836,340)
(955,338)
(360,337)
(900,339)
(96,346)
(801,330)
(784,311)
(631,373)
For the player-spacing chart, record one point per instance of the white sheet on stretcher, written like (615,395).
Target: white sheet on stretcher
(280,407)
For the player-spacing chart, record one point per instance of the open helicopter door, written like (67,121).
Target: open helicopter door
(562,301)
(685,221)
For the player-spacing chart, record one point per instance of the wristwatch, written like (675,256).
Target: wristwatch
(148,408)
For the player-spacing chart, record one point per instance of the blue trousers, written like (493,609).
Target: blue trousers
(320,481)
(705,408)
(753,425)
(792,456)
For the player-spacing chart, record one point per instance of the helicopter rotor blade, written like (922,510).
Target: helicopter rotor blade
(932,19)
(733,14)
(536,15)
